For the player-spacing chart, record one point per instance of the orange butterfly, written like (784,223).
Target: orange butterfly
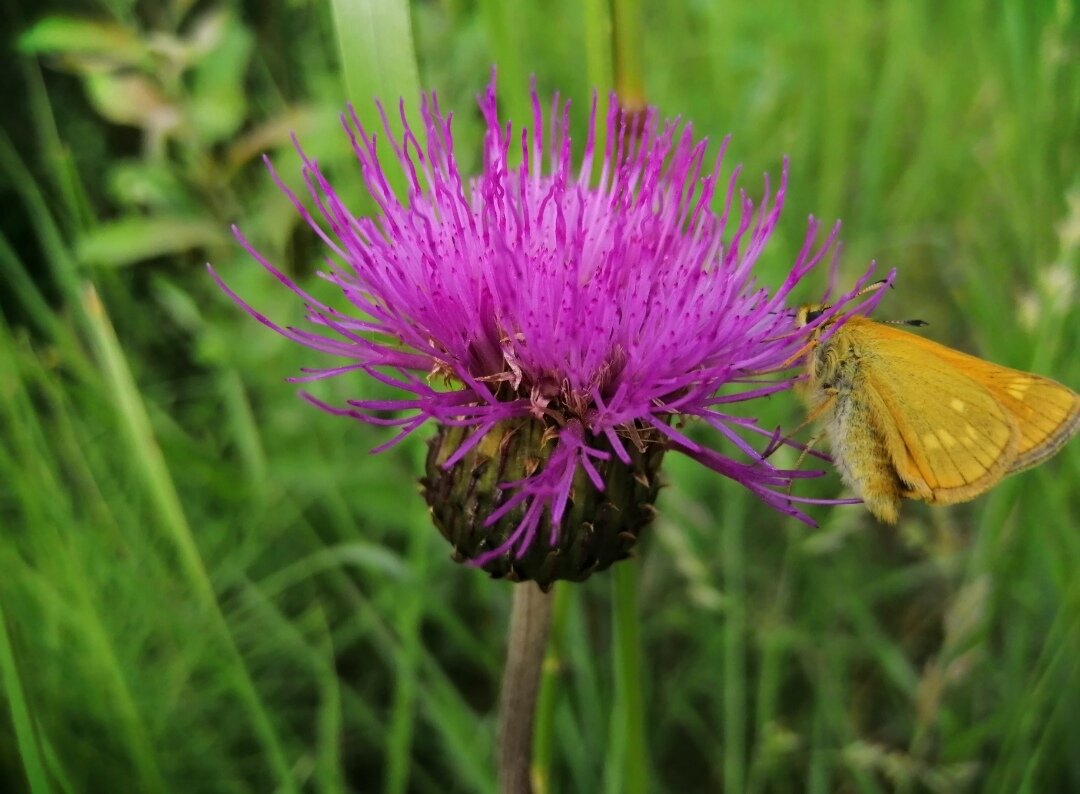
(909,418)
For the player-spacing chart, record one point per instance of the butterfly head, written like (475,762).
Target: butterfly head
(808,313)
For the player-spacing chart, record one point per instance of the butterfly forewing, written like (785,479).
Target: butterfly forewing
(1046,413)
(966,443)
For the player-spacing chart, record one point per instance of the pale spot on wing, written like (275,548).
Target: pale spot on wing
(930,441)
(947,439)
(970,439)
(957,405)
(1018,387)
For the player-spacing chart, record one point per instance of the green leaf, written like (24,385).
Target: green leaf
(135,239)
(131,99)
(378,60)
(218,103)
(82,37)
(153,185)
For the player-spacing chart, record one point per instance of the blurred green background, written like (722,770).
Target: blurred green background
(207,585)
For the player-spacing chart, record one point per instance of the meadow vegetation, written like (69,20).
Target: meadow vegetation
(207,585)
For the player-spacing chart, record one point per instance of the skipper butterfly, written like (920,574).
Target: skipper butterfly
(910,418)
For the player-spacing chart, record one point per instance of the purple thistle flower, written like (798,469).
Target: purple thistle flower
(585,308)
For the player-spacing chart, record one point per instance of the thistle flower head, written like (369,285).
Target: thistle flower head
(557,321)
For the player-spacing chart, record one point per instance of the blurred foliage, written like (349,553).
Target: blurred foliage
(209,586)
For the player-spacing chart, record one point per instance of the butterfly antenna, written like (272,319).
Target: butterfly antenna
(883,283)
(874,287)
(914,323)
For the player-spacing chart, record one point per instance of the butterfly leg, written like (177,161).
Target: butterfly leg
(821,410)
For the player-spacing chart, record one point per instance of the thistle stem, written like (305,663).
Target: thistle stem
(627,762)
(551,678)
(530,618)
